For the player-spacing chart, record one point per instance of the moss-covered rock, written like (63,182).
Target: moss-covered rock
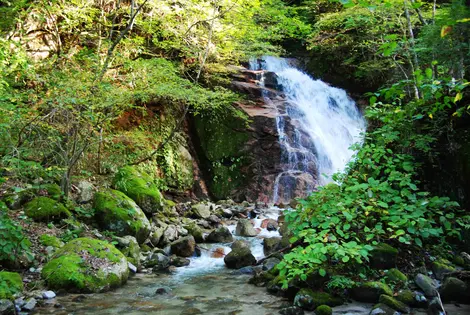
(426,284)
(140,187)
(50,240)
(129,247)
(86,265)
(382,309)
(261,278)
(220,235)
(370,291)
(393,303)
(454,289)
(116,212)
(11,284)
(238,258)
(310,300)
(406,296)
(196,231)
(46,209)
(16,199)
(323,310)
(396,276)
(442,266)
(383,256)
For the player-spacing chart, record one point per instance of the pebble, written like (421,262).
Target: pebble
(48,295)
(30,305)
(132,268)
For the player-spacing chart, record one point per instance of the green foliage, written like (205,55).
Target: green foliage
(14,245)
(11,284)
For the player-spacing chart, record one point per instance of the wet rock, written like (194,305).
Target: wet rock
(129,247)
(47,295)
(214,219)
(73,267)
(7,307)
(116,212)
(30,305)
(310,300)
(382,309)
(157,261)
(270,263)
(393,303)
(163,291)
(261,278)
(271,244)
(396,276)
(292,310)
(181,231)
(245,228)
(426,284)
(239,258)
(454,289)
(218,253)
(220,235)
(240,244)
(413,299)
(440,267)
(156,235)
(201,210)
(196,231)
(383,256)
(269,224)
(435,307)
(184,247)
(86,191)
(248,270)
(179,261)
(170,235)
(226,213)
(132,267)
(370,291)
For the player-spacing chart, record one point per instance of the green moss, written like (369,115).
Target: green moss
(140,187)
(383,256)
(50,240)
(406,296)
(395,275)
(323,310)
(3,207)
(44,209)
(309,300)
(10,284)
(86,265)
(393,303)
(442,266)
(116,212)
(458,260)
(371,291)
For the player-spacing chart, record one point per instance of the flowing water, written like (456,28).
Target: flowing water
(327,122)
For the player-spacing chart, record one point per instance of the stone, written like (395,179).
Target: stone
(11,284)
(413,299)
(440,267)
(240,244)
(179,261)
(426,284)
(292,310)
(393,303)
(162,291)
(370,291)
(323,310)
(156,235)
(116,212)
(158,259)
(396,276)
(140,187)
(129,246)
(7,307)
(434,307)
(383,256)
(30,305)
(132,267)
(226,213)
(86,265)
(184,247)
(310,300)
(220,235)
(201,211)
(271,244)
(46,209)
(219,252)
(245,228)
(269,224)
(382,309)
(239,258)
(196,231)
(270,263)
(169,235)
(86,191)
(47,295)
(454,289)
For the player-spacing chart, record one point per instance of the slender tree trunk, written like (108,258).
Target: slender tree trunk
(415,61)
(209,42)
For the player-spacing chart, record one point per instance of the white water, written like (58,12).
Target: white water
(325,114)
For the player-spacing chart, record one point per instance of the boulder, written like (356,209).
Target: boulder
(310,300)
(15,200)
(270,263)
(383,256)
(220,235)
(239,258)
(269,224)
(46,209)
(184,247)
(140,187)
(7,307)
(130,248)
(11,285)
(271,244)
(434,307)
(292,310)
(454,289)
(396,276)
(116,212)
(86,191)
(370,292)
(382,309)
(169,235)
(426,284)
(196,231)
(156,235)
(179,261)
(413,299)
(240,244)
(393,303)
(201,210)
(245,228)
(157,261)
(440,267)
(86,265)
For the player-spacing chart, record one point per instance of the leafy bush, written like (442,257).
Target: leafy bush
(13,243)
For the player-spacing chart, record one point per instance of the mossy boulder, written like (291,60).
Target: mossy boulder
(413,299)
(46,209)
(271,244)
(426,284)
(454,289)
(238,258)
(396,276)
(16,199)
(245,228)
(382,309)
(50,240)
(323,310)
(310,300)
(393,303)
(370,291)
(184,247)
(220,235)
(196,231)
(442,266)
(11,284)
(383,256)
(86,265)
(129,247)
(116,212)
(140,187)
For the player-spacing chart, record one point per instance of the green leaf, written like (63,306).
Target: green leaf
(322,272)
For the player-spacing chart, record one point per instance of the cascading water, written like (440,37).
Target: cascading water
(326,122)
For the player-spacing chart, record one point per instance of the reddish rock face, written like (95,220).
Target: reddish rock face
(218,253)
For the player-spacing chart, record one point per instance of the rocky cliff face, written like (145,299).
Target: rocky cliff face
(241,149)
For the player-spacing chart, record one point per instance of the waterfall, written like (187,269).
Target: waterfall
(316,124)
